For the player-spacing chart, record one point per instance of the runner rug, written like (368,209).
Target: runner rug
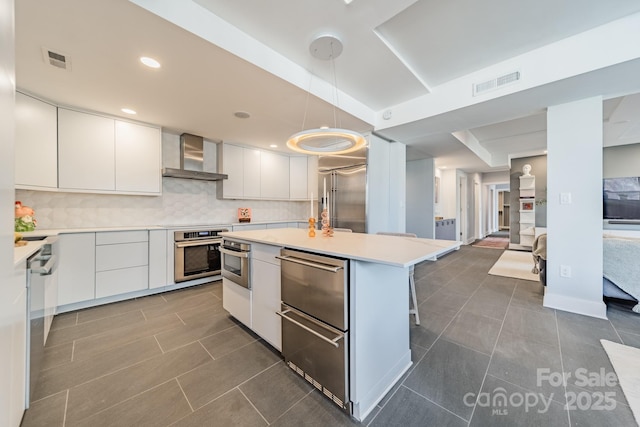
(515,264)
(493,242)
(626,363)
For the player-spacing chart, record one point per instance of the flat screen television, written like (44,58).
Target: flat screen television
(621,198)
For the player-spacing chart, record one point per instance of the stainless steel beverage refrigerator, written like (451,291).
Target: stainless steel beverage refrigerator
(345,179)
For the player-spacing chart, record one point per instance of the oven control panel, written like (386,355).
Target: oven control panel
(197,234)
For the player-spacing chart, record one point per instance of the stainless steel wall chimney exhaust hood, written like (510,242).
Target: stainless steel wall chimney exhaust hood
(191,161)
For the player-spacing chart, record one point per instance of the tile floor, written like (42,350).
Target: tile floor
(178,359)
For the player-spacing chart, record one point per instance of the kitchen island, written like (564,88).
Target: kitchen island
(377,301)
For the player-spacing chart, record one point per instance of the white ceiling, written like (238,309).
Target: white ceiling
(394,54)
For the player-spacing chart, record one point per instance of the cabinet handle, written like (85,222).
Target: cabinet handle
(45,269)
(333,342)
(197,243)
(234,253)
(309,264)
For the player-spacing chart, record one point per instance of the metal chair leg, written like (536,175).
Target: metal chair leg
(414,300)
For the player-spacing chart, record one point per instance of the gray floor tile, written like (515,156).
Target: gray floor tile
(104,392)
(64,320)
(476,332)
(200,313)
(447,373)
(275,390)
(529,295)
(584,329)
(175,304)
(191,332)
(229,410)
(500,286)
(630,339)
(464,285)
(315,410)
(407,408)
(522,362)
(57,355)
(46,412)
(622,318)
(417,353)
(539,326)
(217,377)
(588,364)
(113,309)
(487,302)
(84,330)
(157,407)
(431,326)
(517,407)
(425,289)
(445,302)
(227,341)
(90,347)
(589,408)
(74,373)
(440,277)
(191,291)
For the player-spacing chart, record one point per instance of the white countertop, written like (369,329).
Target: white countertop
(21,253)
(390,250)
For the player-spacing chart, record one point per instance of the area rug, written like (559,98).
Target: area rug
(515,264)
(492,242)
(626,363)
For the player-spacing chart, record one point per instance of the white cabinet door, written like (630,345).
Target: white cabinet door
(274,176)
(158,258)
(233,166)
(251,173)
(138,158)
(77,268)
(298,188)
(121,281)
(36,152)
(312,176)
(114,257)
(86,152)
(237,301)
(265,287)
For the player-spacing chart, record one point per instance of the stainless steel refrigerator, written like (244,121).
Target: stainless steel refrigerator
(346,184)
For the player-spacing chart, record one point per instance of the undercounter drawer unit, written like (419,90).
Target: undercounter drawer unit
(122,262)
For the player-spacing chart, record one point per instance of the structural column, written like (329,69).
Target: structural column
(574,211)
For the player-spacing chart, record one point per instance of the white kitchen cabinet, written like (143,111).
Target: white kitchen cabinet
(86,151)
(50,296)
(158,252)
(77,268)
(232,165)
(122,262)
(298,178)
(36,148)
(265,284)
(237,301)
(312,176)
(274,176)
(251,174)
(138,158)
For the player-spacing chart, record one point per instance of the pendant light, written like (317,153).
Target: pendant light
(326,140)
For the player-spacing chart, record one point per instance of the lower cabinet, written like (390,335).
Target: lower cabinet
(265,283)
(237,301)
(77,268)
(158,259)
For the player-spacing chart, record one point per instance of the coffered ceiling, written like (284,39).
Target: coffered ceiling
(406,70)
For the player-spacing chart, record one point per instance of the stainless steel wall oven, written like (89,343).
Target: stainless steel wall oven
(197,253)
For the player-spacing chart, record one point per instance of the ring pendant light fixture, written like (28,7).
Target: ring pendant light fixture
(326,140)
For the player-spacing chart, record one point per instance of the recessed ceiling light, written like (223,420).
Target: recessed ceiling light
(273,145)
(149,62)
(128,111)
(242,114)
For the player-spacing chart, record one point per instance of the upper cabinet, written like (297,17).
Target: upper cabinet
(36,152)
(262,174)
(97,153)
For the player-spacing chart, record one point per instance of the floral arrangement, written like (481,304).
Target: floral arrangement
(24,218)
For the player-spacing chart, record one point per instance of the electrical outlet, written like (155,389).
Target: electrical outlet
(565,198)
(565,271)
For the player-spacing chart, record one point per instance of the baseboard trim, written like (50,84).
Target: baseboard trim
(575,305)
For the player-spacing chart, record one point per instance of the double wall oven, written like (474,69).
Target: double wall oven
(197,253)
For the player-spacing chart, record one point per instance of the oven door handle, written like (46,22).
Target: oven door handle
(309,264)
(234,253)
(333,342)
(191,243)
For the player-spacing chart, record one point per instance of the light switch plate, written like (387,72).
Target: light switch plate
(565,198)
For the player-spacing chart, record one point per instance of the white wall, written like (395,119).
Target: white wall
(448,194)
(574,131)
(420,198)
(621,161)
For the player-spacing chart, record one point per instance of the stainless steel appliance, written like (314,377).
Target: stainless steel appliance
(196,253)
(315,327)
(346,177)
(192,161)
(235,264)
(39,266)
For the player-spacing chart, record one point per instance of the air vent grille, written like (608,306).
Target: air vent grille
(496,83)
(56,59)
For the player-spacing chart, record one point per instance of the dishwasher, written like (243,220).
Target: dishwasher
(315,327)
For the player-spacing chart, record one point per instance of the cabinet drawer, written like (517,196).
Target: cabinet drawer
(121,281)
(266,253)
(114,237)
(112,257)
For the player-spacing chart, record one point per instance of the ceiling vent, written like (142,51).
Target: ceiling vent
(56,59)
(496,83)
